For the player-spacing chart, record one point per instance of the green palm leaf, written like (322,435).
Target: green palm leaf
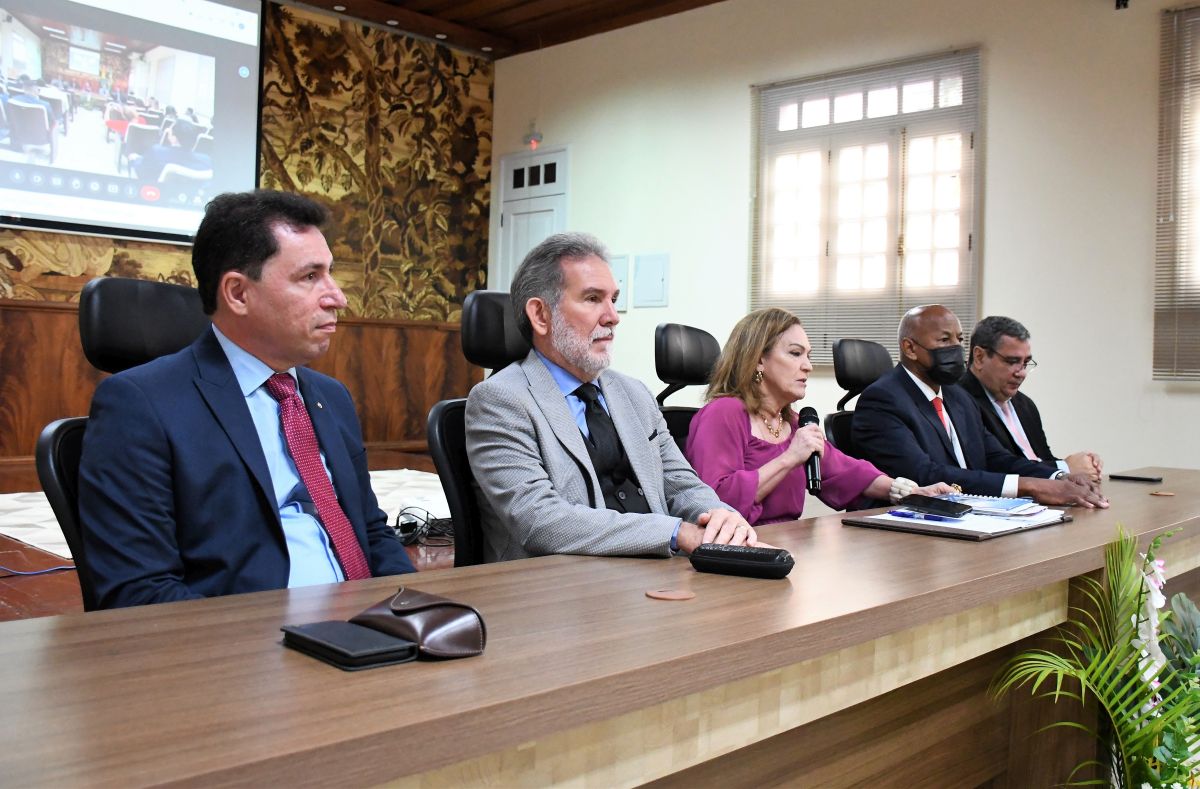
(1143,708)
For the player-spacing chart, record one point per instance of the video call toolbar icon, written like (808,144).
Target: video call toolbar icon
(48,180)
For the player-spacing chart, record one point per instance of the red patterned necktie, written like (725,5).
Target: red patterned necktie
(302,443)
(941,412)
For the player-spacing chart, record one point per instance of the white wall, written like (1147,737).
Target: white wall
(659,122)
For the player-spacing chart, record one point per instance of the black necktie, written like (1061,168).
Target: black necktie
(600,426)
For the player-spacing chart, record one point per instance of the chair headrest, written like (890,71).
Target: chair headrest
(490,337)
(684,355)
(127,322)
(859,363)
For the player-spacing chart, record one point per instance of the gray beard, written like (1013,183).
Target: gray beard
(576,348)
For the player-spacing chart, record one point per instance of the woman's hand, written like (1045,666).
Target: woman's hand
(805,441)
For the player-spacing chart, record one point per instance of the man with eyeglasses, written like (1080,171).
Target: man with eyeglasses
(1000,358)
(916,422)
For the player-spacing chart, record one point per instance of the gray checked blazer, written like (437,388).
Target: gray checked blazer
(538,493)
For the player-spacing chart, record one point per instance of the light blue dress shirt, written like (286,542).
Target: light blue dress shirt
(312,560)
(567,384)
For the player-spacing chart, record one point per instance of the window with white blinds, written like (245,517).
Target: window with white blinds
(1177,258)
(865,197)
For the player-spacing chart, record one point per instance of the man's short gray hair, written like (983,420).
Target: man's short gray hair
(540,274)
(988,332)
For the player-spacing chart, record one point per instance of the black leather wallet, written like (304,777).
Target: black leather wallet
(348,646)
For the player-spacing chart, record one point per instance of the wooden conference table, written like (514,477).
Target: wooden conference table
(26,597)
(867,665)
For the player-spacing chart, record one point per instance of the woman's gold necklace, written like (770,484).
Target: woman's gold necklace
(777,430)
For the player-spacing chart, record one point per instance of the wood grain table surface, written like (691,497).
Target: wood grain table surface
(29,596)
(26,596)
(202,692)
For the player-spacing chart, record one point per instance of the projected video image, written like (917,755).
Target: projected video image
(101,115)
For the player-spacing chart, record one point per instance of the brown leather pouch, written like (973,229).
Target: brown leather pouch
(441,628)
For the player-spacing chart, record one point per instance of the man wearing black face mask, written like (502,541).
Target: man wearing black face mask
(915,422)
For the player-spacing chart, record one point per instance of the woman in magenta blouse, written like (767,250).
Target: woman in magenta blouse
(745,443)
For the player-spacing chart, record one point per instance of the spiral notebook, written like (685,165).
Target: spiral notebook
(997,505)
(968,527)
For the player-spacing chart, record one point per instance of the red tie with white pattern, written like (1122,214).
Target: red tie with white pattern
(941,412)
(302,443)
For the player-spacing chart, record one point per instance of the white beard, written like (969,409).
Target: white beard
(577,349)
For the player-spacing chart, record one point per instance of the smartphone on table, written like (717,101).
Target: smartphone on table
(934,505)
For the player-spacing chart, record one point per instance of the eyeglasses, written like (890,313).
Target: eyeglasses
(1014,361)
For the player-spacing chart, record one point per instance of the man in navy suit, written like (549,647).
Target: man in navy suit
(1000,358)
(915,422)
(189,484)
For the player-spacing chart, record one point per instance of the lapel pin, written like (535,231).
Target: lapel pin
(319,404)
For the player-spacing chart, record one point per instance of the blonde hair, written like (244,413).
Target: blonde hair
(751,339)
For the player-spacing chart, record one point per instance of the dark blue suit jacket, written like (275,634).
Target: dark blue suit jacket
(896,428)
(174,495)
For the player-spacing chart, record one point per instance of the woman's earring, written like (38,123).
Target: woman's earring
(758,376)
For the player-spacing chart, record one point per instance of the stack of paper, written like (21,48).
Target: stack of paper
(971,526)
(998,505)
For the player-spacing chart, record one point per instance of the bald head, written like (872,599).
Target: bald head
(923,331)
(919,319)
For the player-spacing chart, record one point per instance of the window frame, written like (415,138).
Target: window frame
(1176,335)
(830,312)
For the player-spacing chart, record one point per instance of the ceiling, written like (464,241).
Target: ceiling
(498,28)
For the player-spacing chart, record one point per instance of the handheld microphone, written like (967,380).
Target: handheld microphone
(812,466)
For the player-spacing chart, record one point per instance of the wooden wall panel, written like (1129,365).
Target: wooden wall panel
(43,377)
(395,370)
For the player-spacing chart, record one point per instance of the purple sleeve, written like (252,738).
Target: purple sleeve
(716,447)
(843,478)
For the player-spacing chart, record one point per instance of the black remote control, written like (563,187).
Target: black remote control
(742,560)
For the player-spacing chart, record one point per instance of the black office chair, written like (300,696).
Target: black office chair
(856,365)
(122,323)
(59,449)
(490,339)
(446,431)
(127,322)
(683,356)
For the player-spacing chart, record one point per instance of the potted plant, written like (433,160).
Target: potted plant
(1137,663)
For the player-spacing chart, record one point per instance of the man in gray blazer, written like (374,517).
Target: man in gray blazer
(571,457)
